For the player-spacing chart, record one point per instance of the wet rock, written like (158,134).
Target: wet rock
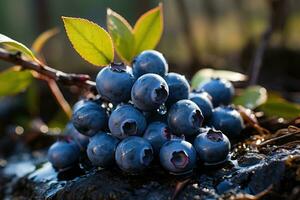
(250,173)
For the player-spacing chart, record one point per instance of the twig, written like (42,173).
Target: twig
(256,65)
(253,197)
(179,187)
(80,80)
(252,122)
(290,131)
(60,97)
(277,21)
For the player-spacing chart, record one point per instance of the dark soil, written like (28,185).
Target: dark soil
(270,173)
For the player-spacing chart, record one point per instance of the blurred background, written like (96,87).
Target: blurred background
(237,35)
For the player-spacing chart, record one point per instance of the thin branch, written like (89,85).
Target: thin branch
(258,57)
(60,97)
(289,132)
(80,80)
(277,21)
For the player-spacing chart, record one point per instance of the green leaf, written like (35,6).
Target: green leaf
(91,41)
(205,74)
(276,106)
(13,82)
(148,30)
(122,35)
(252,97)
(6,41)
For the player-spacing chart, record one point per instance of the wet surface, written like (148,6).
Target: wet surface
(248,173)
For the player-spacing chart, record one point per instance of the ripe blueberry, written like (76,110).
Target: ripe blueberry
(220,90)
(89,118)
(155,116)
(178,156)
(149,92)
(185,117)
(179,88)
(203,101)
(150,61)
(80,139)
(101,149)
(157,133)
(126,121)
(79,103)
(228,120)
(134,154)
(114,83)
(63,154)
(212,146)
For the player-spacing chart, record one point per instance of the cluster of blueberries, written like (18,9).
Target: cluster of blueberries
(146,113)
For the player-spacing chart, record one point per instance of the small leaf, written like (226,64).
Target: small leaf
(252,97)
(122,35)
(41,40)
(205,74)
(6,41)
(148,30)
(276,106)
(13,82)
(91,41)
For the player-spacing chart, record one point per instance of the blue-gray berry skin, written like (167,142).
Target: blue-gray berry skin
(149,92)
(228,120)
(157,133)
(114,83)
(219,89)
(179,88)
(90,118)
(178,156)
(149,61)
(155,116)
(203,101)
(134,154)
(126,121)
(101,149)
(80,139)
(63,154)
(212,147)
(79,104)
(185,117)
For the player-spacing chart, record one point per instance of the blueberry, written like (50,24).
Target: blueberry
(155,116)
(80,139)
(134,154)
(225,186)
(179,88)
(157,133)
(114,83)
(212,146)
(126,121)
(228,120)
(63,154)
(203,101)
(178,156)
(101,149)
(150,61)
(220,90)
(79,104)
(90,118)
(185,117)
(149,92)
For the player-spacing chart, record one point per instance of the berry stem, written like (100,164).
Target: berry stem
(79,80)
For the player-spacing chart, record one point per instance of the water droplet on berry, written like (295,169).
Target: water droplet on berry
(162,110)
